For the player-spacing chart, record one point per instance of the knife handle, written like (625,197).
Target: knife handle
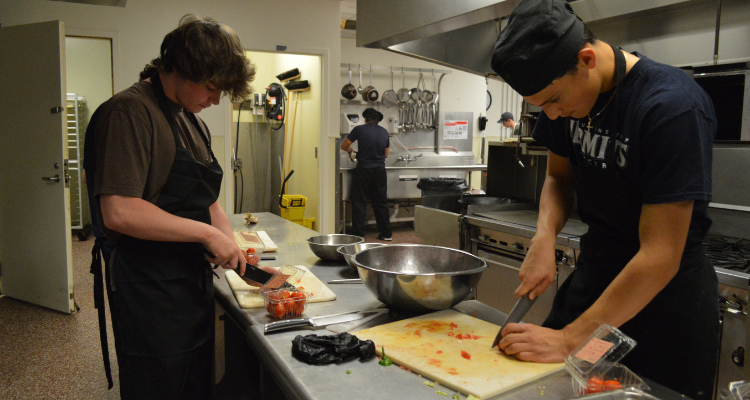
(286,324)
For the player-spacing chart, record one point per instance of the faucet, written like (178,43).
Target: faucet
(408,158)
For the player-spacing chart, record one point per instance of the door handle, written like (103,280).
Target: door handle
(55,178)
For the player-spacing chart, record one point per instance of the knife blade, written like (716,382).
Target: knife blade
(519,310)
(318,321)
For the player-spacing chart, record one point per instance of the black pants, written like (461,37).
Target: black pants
(370,183)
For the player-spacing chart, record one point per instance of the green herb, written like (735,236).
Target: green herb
(385,361)
(441,393)
(348,372)
(428,383)
(472,397)
(455,397)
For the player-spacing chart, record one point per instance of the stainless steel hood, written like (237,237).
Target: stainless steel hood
(462,34)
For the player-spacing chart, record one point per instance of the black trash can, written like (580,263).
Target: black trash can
(442,193)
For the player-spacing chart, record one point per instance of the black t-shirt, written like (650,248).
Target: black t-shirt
(666,126)
(373,140)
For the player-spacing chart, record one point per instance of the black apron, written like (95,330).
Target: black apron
(677,332)
(163,291)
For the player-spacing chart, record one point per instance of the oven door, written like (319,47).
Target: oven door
(499,282)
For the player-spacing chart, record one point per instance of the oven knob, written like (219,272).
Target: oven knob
(738,357)
(560,257)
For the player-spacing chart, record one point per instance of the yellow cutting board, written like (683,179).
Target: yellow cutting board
(248,297)
(423,345)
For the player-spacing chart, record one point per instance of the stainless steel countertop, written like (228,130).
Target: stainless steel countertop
(478,167)
(302,381)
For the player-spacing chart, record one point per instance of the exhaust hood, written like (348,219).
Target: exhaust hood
(462,34)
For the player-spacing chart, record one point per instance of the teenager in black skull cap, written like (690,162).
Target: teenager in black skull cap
(632,138)
(369,180)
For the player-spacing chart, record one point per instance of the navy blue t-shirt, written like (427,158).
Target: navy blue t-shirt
(666,125)
(373,140)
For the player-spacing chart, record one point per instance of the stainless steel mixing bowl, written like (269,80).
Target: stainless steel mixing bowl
(351,249)
(419,278)
(325,246)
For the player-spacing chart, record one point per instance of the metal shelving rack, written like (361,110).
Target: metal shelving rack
(80,218)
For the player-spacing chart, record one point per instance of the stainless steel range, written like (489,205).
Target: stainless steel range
(501,235)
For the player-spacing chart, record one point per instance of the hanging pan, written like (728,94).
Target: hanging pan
(369,93)
(349,91)
(403,93)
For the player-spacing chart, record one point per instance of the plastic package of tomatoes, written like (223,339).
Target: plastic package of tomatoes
(594,364)
(284,301)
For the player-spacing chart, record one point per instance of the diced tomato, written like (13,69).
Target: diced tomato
(439,351)
(453,325)
(418,333)
(474,314)
(611,384)
(459,336)
(594,385)
(402,367)
(465,355)
(451,333)
(475,337)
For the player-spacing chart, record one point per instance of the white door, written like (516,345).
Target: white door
(35,235)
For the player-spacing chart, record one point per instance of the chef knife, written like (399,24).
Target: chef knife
(318,321)
(519,310)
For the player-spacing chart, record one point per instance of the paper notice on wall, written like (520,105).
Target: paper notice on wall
(455,130)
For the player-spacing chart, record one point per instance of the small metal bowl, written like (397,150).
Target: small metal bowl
(418,278)
(325,246)
(351,249)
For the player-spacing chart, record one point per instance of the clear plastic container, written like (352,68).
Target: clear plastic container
(597,358)
(248,240)
(620,373)
(284,303)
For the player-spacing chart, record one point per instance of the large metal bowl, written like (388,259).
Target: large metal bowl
(325,246)
(351,249)
(418,278)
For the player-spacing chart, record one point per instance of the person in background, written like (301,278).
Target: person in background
(631,139)
(156,187)
(507,120)
(369,180)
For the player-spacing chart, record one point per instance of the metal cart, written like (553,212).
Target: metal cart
(80,217)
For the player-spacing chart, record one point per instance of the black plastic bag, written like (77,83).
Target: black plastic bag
(314,349)
(442,184)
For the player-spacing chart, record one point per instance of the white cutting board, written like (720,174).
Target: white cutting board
(423,345)
(248,297)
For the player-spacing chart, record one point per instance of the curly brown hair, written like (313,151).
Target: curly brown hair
(205,51)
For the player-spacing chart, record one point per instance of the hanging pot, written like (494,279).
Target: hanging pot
(369,93)
(349,91)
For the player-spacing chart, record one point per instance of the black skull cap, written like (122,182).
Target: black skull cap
(372,114)
(537,45)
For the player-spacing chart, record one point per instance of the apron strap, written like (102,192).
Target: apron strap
(620,67)
(96,270)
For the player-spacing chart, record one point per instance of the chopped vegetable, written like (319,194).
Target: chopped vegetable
(594,385)
(612,384)
(428,383)
(472,397)
(453,325)
(348,371)
(441,393)
(465,355)
(459,336)
(474,314)
(455,397)
(439,351)
(385,361)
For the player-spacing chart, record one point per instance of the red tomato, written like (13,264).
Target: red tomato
(475,337)
(453,325)
(250,251)
(465,355)
(279,311)
(298,303)
(594,385)
(451,333)
(459,336)
(612,384)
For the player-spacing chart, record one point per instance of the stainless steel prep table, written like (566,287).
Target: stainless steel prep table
(368,379)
